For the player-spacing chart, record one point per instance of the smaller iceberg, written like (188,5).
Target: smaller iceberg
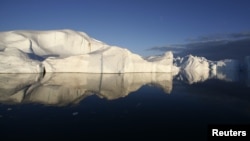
(198,69)
(193,69)
(194,63)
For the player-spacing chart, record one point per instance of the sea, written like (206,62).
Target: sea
(131,106)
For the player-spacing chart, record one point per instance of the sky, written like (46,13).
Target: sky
(145,27)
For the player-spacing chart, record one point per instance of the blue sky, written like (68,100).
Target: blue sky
(139,25)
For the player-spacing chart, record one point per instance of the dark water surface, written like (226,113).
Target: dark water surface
(75,106)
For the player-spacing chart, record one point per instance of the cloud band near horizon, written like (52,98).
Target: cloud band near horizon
(213,47)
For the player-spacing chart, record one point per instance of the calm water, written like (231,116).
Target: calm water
(120,106)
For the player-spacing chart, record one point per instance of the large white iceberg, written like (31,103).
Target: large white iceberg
(71,51)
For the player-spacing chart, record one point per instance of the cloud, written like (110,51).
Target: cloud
(214,47)
(219,37)
(240,35)
(177,48)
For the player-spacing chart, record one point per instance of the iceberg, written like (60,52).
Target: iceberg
(192,68)
(24,51)
(72,51)
(194,63)
(195,69)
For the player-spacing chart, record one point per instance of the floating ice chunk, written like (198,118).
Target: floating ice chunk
(75,113)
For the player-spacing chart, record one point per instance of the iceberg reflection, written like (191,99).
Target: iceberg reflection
(193,76)
(60,89)
(14,86)
(67,88)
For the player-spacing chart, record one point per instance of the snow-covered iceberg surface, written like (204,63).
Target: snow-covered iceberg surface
(61,89)
(72,51)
